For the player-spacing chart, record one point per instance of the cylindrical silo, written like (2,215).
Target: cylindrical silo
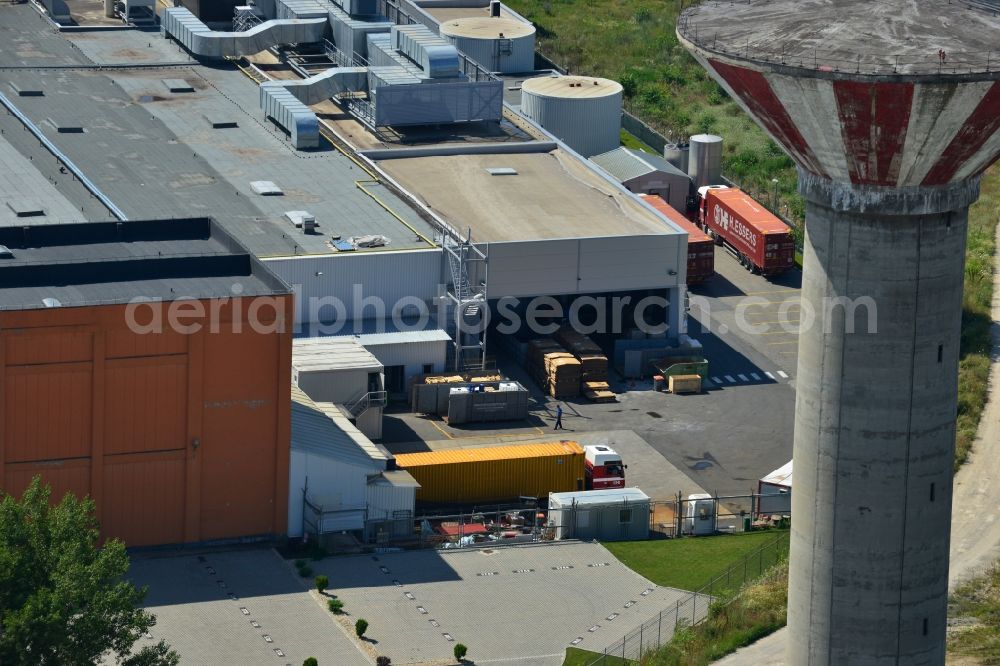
(705,160)
(677,154)
(583,111)
(499,44)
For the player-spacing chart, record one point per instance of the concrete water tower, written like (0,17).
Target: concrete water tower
(890,110)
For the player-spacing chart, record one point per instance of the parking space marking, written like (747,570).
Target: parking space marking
(770,291)
(782,374)
(489,573)
(629,604)
(647,591)
(600,564)
(576,641)
(267,639)
(448,637)
(729,378)
(409,595)
(278,652)
(743,378)
(716,380)
(594,628)
(784,342)
(611,617)
(422,610)
(755,376)
(769,375)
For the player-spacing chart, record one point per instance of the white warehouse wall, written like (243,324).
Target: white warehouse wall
(333,484)
(388,275)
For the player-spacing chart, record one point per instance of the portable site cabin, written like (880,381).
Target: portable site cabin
(614,514)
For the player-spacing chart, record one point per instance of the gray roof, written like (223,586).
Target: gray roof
(155,153)
(607,496)
(331,354)
(323,430)
(111,262)
(626,164)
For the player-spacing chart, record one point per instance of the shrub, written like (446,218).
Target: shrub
(336,606)
(305,571)
(360,627)
(460,651)
(310,661)
(383,661)
(322,582)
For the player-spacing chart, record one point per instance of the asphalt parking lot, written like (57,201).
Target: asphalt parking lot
(238,607)
(516,605)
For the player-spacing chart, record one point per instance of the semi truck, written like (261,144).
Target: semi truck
(603,467)
(507,473)
(760,241)
(701,248)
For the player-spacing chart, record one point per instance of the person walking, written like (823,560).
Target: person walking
(559,425)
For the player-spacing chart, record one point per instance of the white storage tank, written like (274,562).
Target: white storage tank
(585,112)
(498,44)
(705,160)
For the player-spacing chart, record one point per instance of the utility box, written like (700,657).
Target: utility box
(699,515)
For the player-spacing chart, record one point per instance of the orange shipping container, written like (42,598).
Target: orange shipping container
(495,474)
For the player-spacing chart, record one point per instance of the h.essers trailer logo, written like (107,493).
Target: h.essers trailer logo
(725,220)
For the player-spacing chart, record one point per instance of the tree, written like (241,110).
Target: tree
(310,661)
(63,600)
(322,582)
(360,627)
(460,651)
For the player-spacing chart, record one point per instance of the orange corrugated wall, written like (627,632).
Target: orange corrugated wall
(178,438)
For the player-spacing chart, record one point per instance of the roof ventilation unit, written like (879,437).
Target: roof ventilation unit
(25,208)
(26,92)
(266,188)
(178,86)
(5,252)
(302,219)
(51,303)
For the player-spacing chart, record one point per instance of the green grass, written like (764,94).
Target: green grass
(688,563)
(974,610)
(633,142)
(760,609)
(974,367)
(633,41)
(578,657)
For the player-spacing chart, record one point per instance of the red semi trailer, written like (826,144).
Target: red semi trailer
(701,248)
(761,242)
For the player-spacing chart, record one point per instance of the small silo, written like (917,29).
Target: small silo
(498,44)
(677,154)
(585,112)
(705,160)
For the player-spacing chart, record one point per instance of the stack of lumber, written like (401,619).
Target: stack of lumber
(449,379)
(562,375)
(598,392)
(593,362)
(556,370)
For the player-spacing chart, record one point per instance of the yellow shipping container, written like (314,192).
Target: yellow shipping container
(495,474)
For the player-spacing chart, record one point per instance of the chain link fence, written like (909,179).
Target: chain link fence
(694,608)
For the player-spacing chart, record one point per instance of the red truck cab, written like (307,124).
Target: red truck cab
(756,237)
(604,468)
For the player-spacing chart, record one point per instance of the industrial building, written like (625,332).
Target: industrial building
(299,154)
(130,373)
(888,171)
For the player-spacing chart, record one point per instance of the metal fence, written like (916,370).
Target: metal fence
(882,64)
(499,525)
(694,608)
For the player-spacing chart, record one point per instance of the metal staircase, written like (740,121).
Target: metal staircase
(366,402)
(467,301)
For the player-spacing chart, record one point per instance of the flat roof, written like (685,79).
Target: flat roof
(103,263)
(845,34)
(604,496)
(331,353)
(571,87)
(553,195)
(23,188)
(156,154)
(486,27)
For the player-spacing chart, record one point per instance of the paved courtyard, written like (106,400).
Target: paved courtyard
(516,605)
(239,607)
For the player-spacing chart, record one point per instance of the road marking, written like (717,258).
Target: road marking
(772,291)
(755,376)
(764,323)
(782,374)
(743,378)
(716,380)
(784,342)
(769,375)
(730,379)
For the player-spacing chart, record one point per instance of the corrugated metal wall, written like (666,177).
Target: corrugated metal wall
(586,265)
(412,356)
(178,438)
(385,500)
(332,483)
(391,276)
